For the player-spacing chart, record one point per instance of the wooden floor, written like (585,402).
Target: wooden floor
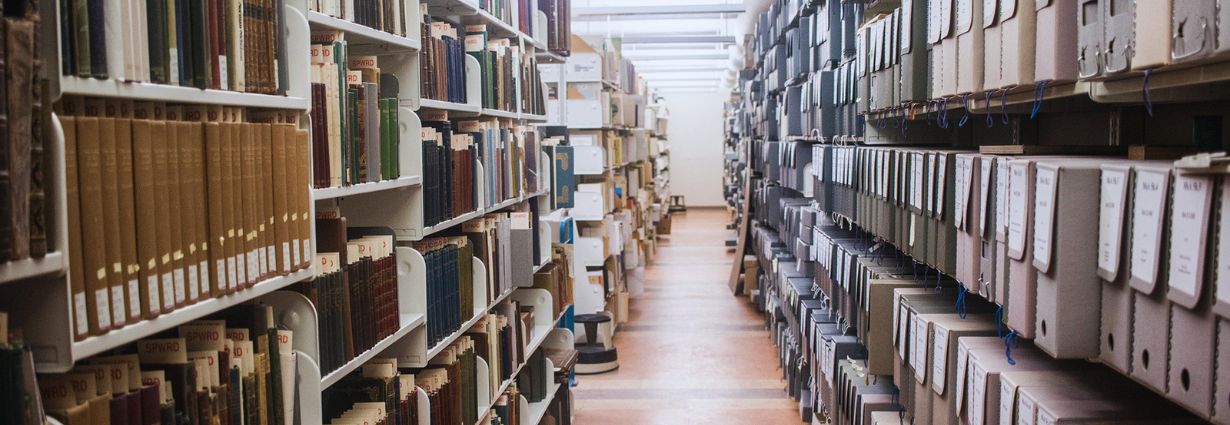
(691,353)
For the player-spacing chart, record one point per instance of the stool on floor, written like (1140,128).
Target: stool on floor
(597,354)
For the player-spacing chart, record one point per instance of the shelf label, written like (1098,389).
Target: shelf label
(1193,196)
(1110,222)
(1148,208)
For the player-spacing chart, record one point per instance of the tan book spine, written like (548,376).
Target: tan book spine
(267,186)
(185,252)
(145,212)
(278,167)
(217,220)
(226,178)
(76,263)
(259,190)
(200,223)
(111,220)
(300,188)
(242,132)
(127,215)
(250,201)
(162,216)
(93,236)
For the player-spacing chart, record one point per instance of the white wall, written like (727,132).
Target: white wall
(695,134)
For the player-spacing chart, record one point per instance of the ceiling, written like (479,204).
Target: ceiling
(676,45)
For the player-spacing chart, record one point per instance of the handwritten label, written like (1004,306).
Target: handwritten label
(1018,212)
(939,360)
(1025,409)
(917,165)
(985,166)
(1006,402)
(1223,247)
(919,358)
(940,183)
(962,359)
(964,168)
(1193,196)
(1001,198)
(1113,199)
(1147,210)
(978,395)
(1045,189)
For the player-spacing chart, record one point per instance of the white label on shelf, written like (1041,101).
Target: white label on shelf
(964,167)
(253,265)
(102,306)
(1005,403)
(117,305)
(1018,198)
(918,360)
(134,295)
(173,66)
(1147,210)
(179,286)
(939,360)
(1110,220)
(194,290)
(978,395)
(271,259)
(985,165)
(1001,198)
(168,290)
(262,262)
(962,359)
(1046,182)
(1193,196)
(80,316)
(307,249)
(1223,247)
(224,82)
(1025,410)
(151,289)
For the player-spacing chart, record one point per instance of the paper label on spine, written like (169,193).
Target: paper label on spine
(964,167)
(151,286)
(939,360)
(1006,403)
(1192,203)
(180,286)
(985,167)
(1018,198)
(241,268)
(1025,410)
(1147,213)
(103,307)
(80,315)
(962,358)
(1110,220)
(978,395)
(1001,198)
(1223,247)
(286,257)
(918,359)
(1046,186)
(221,273)
(232,275)
(134,294)
(194,288)
(168,290)
(204,267)
(117,305)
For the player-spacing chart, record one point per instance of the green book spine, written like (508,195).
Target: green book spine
(339,57)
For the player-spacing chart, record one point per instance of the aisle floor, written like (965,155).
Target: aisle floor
(691,352)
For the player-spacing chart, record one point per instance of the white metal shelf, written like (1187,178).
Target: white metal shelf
(501,114)
(70,85)
(446,224)
(443,105)
(17,270)
(534,118)
(444,343)
(364,188)
(409,323)
(548,57)
(538,409)
(384,42)
(128,334)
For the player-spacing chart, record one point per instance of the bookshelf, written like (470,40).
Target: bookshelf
(397,203)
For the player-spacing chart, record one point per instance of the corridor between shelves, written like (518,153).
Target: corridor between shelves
(690,352)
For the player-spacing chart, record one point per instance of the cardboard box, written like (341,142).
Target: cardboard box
(970,45)
(1153,35)
(587,105)
(1055,52)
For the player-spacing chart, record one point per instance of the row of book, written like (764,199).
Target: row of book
(380,391)
(391,16)
(171,205)
(448,169)
(355,291)
(20,403)
(559,25)
(509,157)
(442,60)
(236,370)
(355,136)
(504,243)
(24,126)
(210,44)
(451,383)
(508,74)
(516,13)
(450,284)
